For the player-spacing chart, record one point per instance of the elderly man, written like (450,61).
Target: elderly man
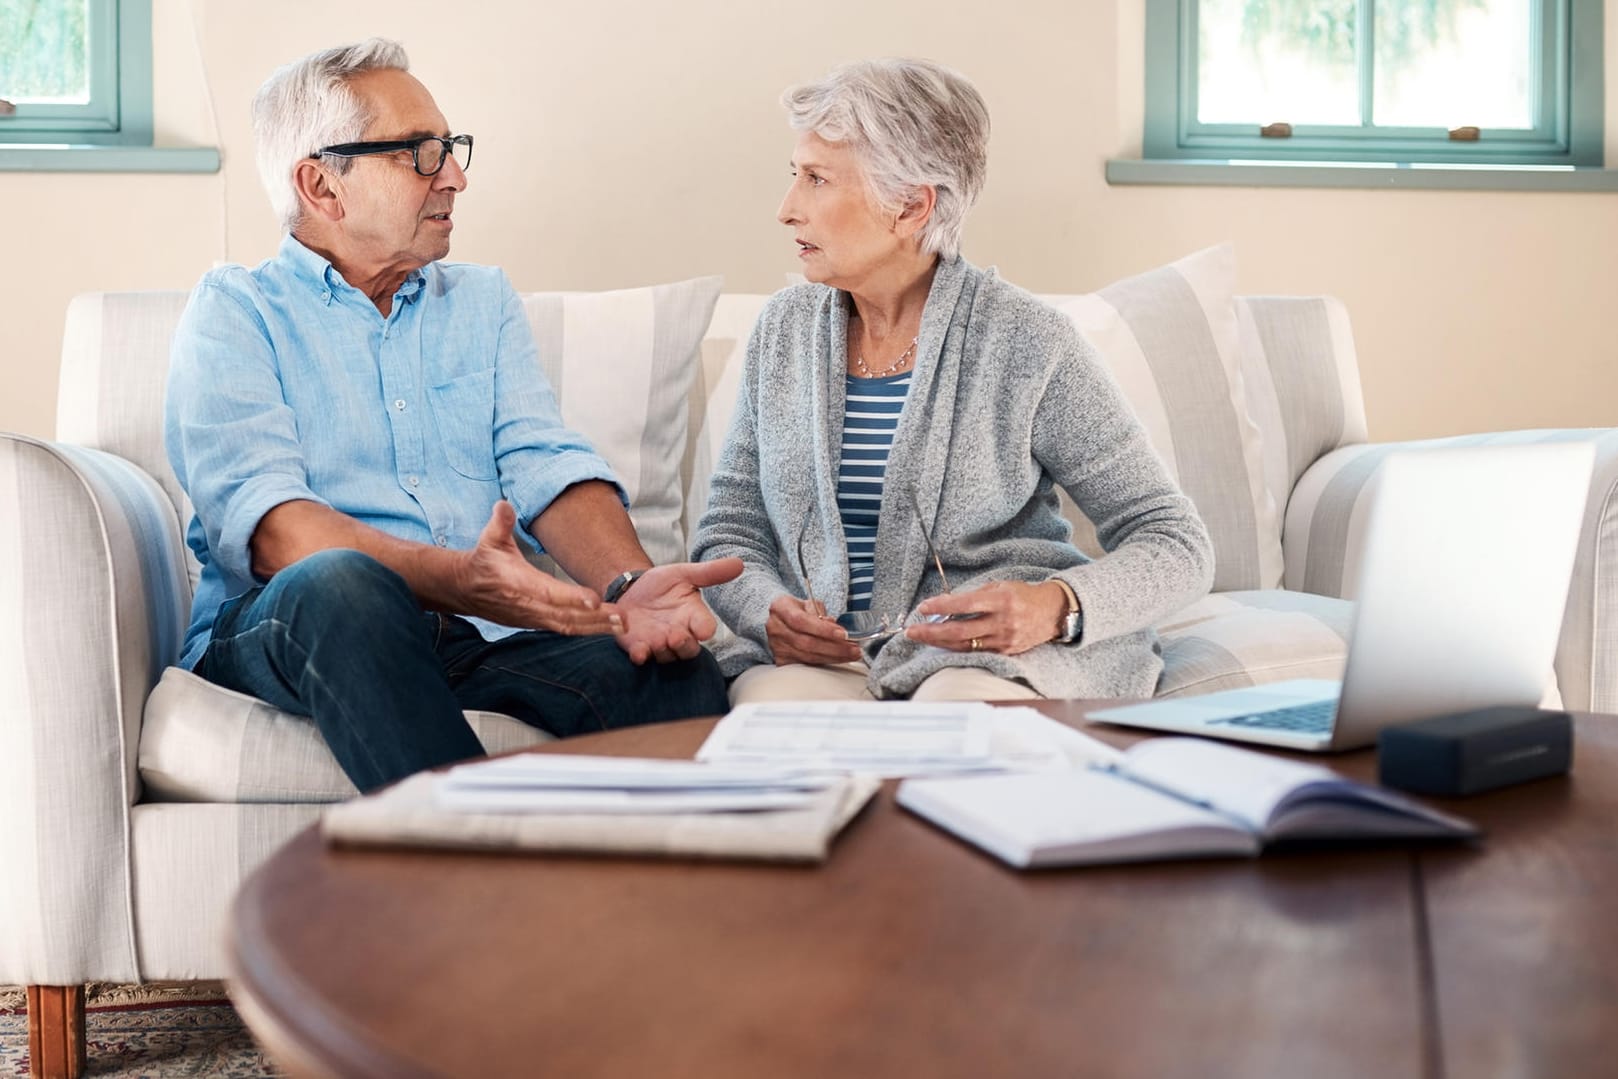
(361,427)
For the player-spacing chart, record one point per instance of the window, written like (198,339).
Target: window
(76,71)
(1484,82)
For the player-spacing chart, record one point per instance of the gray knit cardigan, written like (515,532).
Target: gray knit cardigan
(1007,402)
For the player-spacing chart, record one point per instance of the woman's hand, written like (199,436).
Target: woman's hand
(1013,617)
(800,632)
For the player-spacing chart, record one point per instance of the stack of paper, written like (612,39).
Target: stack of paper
(564,804)
(553,783)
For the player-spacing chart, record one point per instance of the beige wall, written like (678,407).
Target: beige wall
(627,143)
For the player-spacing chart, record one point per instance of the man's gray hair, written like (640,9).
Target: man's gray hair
(308,104)
(910,123)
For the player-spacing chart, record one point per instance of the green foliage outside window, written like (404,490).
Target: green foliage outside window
(1328,29)
(44,52)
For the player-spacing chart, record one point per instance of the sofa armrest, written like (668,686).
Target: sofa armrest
(93,602)
(1324,533)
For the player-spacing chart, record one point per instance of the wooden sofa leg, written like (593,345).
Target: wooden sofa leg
(56,1031)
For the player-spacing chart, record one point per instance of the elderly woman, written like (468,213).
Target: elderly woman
(904,402)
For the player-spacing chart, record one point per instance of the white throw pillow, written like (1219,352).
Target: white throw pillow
(621,364)
(1170,339)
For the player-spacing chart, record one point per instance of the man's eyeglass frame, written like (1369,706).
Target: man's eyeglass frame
(393,146)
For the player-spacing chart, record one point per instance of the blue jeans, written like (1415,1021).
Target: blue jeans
(340,638)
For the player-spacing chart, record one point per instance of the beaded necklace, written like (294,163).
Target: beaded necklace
(863,371)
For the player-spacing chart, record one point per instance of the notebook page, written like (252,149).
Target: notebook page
(1072,818)
(1239,782)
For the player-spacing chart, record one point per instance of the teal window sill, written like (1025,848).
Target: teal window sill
(52,157)
(1371,174)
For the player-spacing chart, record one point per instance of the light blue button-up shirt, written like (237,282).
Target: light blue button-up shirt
(287,383)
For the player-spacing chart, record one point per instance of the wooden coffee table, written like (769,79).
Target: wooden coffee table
(909,953)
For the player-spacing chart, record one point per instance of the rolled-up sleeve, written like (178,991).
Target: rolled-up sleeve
(537,454)
(230,435)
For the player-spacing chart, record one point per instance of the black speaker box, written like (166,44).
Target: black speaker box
(1471,752)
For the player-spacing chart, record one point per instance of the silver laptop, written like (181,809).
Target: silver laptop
(1463,579)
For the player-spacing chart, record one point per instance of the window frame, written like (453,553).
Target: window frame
(1568,108)
(119,112)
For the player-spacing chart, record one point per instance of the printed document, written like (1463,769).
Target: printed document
(900,738)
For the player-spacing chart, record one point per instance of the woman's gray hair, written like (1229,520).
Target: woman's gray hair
(910,123)
(308,104)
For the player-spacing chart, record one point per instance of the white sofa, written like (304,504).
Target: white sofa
(136,797)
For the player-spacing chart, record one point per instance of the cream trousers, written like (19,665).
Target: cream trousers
(846,682)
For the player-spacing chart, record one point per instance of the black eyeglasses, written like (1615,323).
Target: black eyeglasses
(427,154)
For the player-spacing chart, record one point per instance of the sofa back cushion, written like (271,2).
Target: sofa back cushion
(1302,381)
(1170,339)
(622,364)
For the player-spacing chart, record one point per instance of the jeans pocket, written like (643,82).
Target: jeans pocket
(224,619)
(223,628)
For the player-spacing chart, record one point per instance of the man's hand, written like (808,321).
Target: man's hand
(663,615)
(800,632)
(494,581)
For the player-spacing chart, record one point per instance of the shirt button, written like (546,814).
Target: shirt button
(399,404)
(415,481)
(442,541)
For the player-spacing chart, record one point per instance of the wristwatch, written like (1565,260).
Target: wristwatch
(620,584)
(1070,627)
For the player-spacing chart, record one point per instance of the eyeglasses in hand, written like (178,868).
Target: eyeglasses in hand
(427,154)
(877,625)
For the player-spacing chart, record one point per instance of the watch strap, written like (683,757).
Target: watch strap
(620,584)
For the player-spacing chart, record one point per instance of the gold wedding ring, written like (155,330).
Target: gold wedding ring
(976,644)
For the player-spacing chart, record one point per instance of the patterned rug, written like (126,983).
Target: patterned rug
(147,1032)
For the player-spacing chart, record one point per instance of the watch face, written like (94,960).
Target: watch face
(1072,626)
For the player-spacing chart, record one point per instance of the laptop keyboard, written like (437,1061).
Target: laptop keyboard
(1312,718)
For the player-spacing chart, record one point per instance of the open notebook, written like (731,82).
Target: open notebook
(1167,798)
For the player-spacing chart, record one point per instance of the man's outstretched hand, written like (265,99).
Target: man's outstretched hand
(663,613)
(496,582)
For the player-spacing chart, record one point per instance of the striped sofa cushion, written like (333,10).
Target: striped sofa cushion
(622,365)
(1170,339)
(1246,638)
(1302,381)
(204,743)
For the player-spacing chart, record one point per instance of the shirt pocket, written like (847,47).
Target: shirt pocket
(463,409)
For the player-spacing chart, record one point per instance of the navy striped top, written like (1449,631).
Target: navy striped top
(869,419)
